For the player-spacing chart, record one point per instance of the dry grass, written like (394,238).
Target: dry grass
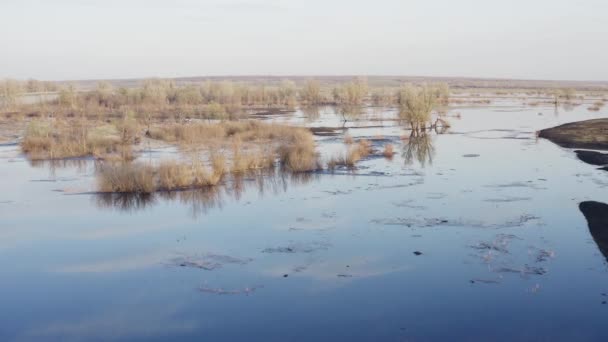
(172,175)
(250,161)
(299,154)
(348,139)
(254,145)
(354,154)
(388,151)
(594,108)
(224,132)
(126,177)
(364,148)
(57,139)
(167,176)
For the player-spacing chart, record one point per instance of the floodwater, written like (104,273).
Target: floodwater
(475,234)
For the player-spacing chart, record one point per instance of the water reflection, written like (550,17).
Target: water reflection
(596,214)
(200,201)
(80,164)
(418,147)
(312,113)
(349,112)
(125,201)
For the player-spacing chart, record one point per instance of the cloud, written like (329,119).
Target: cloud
(118,264)
(252,6)
(121,323)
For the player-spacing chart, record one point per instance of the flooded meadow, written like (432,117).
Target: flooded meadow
(482,229)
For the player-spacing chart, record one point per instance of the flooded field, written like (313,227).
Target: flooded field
(482,230)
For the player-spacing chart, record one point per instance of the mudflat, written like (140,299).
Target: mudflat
(592,134)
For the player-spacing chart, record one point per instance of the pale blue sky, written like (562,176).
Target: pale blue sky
(79,39)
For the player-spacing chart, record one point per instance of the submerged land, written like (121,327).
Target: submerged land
(343,208)
(220,124)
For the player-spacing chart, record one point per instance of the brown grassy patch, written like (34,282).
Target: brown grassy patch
(388,151)
(57,139)
(354,154)
(167,176)
(254,144)
(126,177)
(299,154)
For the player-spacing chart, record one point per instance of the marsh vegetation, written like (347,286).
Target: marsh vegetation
(160,199)
(219,127)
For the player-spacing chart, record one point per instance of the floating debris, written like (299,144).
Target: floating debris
(299,248)
(299,269)
(528,184)
(396,186)
(544,255)
(434,222)
(409,204)
(507,199)
(499,244)
(208,262)
(436,195)
(500,258)
(484,281)
(220,291)
(526,270)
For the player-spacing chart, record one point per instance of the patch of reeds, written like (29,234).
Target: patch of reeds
(58,139)
(299,154)
(127,177)
(166,176)
(354,154)
(388,151)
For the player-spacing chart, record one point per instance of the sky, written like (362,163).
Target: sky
(107,39)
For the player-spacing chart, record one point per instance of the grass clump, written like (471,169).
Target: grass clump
(388,151)
(173,175)
(254,145)
(166,176)
(57,139)
(354,154)
(126,177)
(299,154)
(596,106)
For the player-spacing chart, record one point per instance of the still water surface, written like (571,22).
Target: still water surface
(504,251)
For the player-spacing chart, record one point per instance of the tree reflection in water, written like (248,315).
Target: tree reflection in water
(418,147)
(312,113)
(349,113)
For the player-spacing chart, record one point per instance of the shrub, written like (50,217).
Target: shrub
(311,93)
(388,151)
(299,154)
(126,177)
(416,104)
